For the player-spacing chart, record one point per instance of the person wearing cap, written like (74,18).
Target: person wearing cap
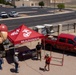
(38,48)
(47,61)
(16,62)
(1,61)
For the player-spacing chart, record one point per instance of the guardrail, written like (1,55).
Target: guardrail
(66,28)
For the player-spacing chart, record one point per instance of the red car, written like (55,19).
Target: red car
(63,41)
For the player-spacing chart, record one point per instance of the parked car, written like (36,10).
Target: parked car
(3,14)
(63,41)
(13,14)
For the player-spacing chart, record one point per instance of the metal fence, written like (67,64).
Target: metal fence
(64,28)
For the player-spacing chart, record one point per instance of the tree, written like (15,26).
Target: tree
(5,2)
(2,1)
(61,6)
(41,4)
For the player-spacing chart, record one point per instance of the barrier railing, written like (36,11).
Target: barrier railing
(66,28)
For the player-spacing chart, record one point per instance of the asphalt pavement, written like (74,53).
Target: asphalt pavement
(36,16)
(39,19)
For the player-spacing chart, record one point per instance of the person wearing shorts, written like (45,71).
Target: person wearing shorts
(47,62)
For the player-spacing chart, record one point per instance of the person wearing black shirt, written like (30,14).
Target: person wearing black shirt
(38,48)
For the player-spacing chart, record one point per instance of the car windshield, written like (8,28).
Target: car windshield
(13,12)
(75,39)
(43,31)
(3,13)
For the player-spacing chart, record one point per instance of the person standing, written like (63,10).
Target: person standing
(38,48)
(16,62)
(47,62)
(1,62)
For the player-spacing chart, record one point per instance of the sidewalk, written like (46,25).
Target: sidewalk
(65,22)
(31,67)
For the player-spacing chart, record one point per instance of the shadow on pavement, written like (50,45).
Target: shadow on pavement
(65,52)
(68,53)
(12,70)
(9,59)
(42,69)
(9,56)
(34,58)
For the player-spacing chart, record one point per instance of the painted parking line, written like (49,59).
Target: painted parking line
(26,12)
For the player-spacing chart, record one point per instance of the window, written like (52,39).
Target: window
(62,40)
(43,31)
(70,41)
(75,39)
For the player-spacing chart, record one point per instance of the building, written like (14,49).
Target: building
(21,3)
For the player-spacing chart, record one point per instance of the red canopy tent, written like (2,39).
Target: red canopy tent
(23,34)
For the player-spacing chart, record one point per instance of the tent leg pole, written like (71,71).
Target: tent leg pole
(63,58)
(44,47)
(14,49)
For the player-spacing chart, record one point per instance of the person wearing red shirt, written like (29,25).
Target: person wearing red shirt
(47,61)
